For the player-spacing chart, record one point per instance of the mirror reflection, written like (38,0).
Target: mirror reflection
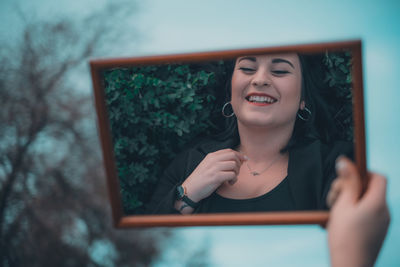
(255,133)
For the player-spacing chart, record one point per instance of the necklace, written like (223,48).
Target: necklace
(255,173)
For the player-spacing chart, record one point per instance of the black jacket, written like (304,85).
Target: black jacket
(311,170)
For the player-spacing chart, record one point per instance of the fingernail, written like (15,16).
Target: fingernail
(341,164)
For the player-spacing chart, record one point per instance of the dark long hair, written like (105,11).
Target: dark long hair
(319,124)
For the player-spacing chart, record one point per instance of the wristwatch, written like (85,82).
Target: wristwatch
(181,195)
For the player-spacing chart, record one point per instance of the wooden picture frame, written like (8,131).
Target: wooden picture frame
(98,66)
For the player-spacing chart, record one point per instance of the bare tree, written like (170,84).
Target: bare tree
(53,204)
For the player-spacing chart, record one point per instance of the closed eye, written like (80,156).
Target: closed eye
(280,72)
(247,69)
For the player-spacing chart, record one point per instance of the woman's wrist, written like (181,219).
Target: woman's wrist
(184,203)
(183,207)
(190,193)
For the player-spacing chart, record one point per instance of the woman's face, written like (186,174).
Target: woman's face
(266,90)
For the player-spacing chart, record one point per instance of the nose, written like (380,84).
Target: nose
(261,79)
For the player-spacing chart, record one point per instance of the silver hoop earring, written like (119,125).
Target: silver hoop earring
(223,110)
(306,114)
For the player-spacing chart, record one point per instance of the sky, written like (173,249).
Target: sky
(175,26)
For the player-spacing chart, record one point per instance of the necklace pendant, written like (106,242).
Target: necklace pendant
(255,173)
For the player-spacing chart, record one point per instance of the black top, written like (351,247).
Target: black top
(311,170)
(270,201)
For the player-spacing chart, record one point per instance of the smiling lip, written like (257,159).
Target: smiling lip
(260,99)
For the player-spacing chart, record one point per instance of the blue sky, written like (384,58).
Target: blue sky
(184,26)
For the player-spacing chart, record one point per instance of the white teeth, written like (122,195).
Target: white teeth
(261,99)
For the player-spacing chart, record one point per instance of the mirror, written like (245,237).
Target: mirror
(160,116)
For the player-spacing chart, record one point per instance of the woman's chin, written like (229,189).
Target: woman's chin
(265,123)
(257,123)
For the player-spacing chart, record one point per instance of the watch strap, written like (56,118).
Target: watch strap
(185,198)
(190,202)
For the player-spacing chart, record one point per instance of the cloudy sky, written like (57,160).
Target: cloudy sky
(185,26)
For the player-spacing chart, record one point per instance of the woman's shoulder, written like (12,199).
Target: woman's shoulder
(312,169)
(337,148)
(329,152)
(323,153)
(327,148)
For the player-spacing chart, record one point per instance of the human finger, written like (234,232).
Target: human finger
(213,159)
(226,154)
(351,186)
(232,181)
(231,165)
(334,191)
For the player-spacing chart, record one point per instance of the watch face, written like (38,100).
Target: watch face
(180,192)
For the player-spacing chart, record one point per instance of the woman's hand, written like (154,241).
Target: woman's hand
(356,227)
(215,169)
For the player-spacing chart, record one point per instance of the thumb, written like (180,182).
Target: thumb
(375,195)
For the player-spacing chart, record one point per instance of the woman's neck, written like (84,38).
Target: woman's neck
(260,143)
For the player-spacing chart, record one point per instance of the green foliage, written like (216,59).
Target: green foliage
(338,78)
(155,111)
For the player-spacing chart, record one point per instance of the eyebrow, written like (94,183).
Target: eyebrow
(281,60)
(248,58)
(275,60)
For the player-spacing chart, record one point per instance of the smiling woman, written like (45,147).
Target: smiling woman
(278,156)
(266,91)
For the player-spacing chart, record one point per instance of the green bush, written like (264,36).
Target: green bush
(154,111)
(337,67)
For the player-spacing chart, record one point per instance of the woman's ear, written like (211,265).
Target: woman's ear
(302,104)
